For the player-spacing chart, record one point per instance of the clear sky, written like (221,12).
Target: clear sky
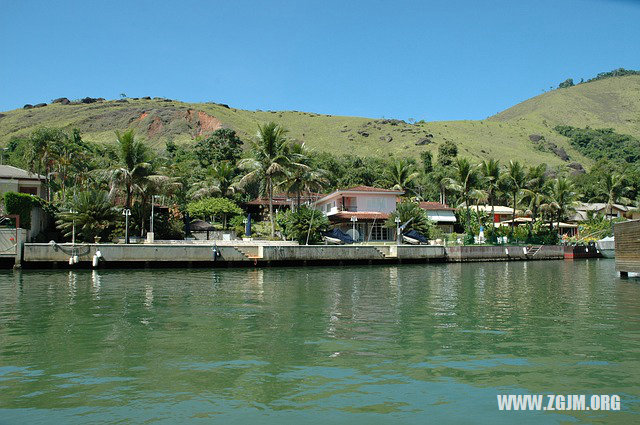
(433,60)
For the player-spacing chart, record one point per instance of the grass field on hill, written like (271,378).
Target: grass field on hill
(612,102)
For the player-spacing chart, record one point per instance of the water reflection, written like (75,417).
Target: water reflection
(348,340)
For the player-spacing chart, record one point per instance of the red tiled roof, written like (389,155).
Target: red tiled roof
(284,199)
(265,201)
(368,189)
(435,206)
(361,215)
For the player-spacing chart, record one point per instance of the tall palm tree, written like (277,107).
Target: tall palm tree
(491,172)
(132,166)
(400,175)
(40,152)
(612,187)
(271,159)
(220,181)
(465,182)
(563,198)
(515,179)
(535,192)
(302,177)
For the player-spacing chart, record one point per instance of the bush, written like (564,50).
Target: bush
(543,235)
(207,208)
(416,217)
(303,224)
(20,204)
(166,227)
(93,215)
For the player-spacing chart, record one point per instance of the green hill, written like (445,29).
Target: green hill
(523,132)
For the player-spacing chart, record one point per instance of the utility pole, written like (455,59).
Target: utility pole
(126,213)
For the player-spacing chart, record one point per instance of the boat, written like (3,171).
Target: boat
(606,246)
(414,238)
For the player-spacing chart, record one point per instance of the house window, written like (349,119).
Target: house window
(29,190)
(378,232)
(376,204)
(350,204)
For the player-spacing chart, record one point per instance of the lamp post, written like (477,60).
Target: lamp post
(73,228)
(354,219)
(126,213)
(151,234)
(397,220)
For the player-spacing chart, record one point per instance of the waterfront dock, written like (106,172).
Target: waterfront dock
(43,255)
(627,247)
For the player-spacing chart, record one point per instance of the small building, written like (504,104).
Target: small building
(259,207)
(584,209)
(361,211)
(500,213)
(441,214)
(14,179)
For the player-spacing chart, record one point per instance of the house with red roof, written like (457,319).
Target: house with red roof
(361,211)
(441,214)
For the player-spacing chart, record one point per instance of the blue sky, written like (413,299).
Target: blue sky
(432,60)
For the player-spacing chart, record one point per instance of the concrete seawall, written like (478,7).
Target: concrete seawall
(504,253)
(120,255)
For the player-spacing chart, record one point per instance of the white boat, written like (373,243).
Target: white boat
(606,246)
(411,241)
(332,241)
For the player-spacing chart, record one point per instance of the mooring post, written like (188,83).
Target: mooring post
(19,248)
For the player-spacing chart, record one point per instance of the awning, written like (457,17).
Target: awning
(441,216)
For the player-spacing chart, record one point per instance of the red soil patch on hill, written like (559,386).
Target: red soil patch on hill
(155,127)
(203,122)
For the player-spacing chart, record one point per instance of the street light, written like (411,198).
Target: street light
(397,220)
(126,213)
(73,227)
(353,220)
(151,235)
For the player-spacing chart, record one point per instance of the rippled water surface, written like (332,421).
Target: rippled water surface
(363,345)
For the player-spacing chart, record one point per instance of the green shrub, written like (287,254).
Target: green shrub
(416,217)
(303,224)
(207,208)
(20,204)
(92,214)
(542,234)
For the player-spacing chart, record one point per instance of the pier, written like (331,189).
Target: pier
(627,247)
(45,255)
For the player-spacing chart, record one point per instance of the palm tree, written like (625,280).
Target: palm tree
(132,168)
(302,177)
(612,188)
(40,152)
(515,179)
(220,181)
(563,198)
(491,172)
(92,214)
(401,175)
(465,182)
(271,159)
(535,192)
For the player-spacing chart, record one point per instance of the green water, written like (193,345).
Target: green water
(360,345)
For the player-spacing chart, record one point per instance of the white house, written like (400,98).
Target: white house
(13,179)
(442,215)
(583,209)
(361,211)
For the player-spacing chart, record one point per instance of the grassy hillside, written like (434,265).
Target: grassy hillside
(612,102)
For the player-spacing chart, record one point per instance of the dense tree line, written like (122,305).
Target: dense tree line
(92,183)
